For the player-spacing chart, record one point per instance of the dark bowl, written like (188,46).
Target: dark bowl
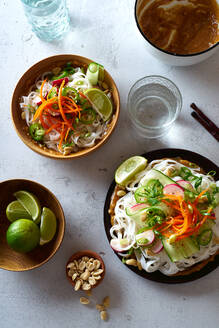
(157,276)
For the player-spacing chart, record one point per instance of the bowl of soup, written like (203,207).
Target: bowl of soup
(179,32)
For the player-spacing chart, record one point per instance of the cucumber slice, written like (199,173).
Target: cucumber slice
(163,178)
(157,175)
(93,73)
(181,249)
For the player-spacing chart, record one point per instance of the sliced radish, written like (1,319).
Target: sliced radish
(145,238)
(157,247)
(119,245)
(173,189)
(135,209)
(185,184)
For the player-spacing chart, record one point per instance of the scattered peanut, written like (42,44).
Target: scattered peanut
(100,307)
(103,315)
(106,302)
(84,300)
(23,116)
(131,262)
(56,70)
(121,193)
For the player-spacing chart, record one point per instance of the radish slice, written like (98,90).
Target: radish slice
(185,184)
(157,247)
(119,245)
(173,189)
(145,238)
(135,209)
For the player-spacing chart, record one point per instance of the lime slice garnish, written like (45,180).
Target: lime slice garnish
(23,235)
(47,226)
(31,203)
(128,169)
(16,211)
(100,102)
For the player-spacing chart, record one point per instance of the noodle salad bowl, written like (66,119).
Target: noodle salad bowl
(161,215)
(65,106)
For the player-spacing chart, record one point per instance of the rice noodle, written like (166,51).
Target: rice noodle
(125,227)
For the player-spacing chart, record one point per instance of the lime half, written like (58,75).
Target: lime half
(31,203)
(100,102)
(47,226)
(128,169)
(23,235)
(16,211)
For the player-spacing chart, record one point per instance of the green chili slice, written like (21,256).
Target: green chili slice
(69,91)
(37,131)
(88,116)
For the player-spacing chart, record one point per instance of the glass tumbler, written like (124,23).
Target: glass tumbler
(49,18)
(154,102)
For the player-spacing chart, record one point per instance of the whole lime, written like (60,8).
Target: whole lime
(23,235)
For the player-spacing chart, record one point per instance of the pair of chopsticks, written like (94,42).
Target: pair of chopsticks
(199,116)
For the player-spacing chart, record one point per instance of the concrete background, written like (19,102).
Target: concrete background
(106,32)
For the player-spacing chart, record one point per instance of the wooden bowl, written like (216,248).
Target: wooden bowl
(28,80)
(14,261)
(88,253)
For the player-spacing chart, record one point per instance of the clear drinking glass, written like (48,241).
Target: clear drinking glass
(154,102)
(49,18)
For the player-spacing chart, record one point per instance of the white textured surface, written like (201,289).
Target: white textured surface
(104,31)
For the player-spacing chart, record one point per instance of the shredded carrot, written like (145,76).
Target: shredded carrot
(41,108)
(199,196)
(187,220)
(62,136)
(60,104)
(41,91)
(52,127)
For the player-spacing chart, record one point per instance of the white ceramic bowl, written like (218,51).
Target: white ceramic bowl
(168,57)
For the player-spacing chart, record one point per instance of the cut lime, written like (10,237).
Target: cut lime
(16,211)
(31,203)
(47,226)
(128,169)
(23,235)
(100,102)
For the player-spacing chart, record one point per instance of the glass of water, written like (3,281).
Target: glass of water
(154,103)
(49,18)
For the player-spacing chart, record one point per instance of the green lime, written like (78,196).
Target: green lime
(47,226)
(100,102)
(23,235)
(31,203)
(128,169)
(16,211)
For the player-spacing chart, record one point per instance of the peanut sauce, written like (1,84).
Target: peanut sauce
(180,26)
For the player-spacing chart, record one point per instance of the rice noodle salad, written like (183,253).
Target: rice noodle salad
(68,108)
(166,216)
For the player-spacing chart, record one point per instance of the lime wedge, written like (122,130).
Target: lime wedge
(128,169)
(100,102)
(47,226)
(31,204)
(16,211)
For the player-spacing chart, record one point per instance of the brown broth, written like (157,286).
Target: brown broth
(180,26)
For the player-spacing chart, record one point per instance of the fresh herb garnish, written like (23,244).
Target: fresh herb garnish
(151,193)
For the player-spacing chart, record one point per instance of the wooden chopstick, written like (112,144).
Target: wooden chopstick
(213,132)
(204,117)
